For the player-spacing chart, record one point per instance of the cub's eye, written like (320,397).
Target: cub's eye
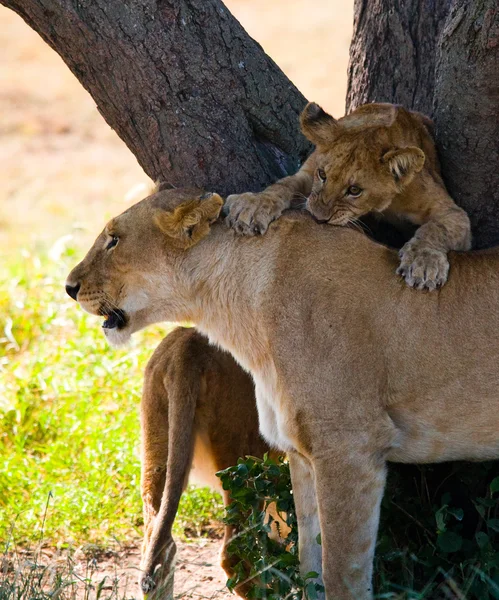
(354,190)
(114,240)
(321,174)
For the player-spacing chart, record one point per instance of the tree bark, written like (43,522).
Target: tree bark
(440,57)
(466,112)
(392,54)
(190,93)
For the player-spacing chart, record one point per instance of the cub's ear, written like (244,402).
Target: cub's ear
(404,163)
(191,220)
(316,125)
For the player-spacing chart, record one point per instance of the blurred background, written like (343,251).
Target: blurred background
(69,431)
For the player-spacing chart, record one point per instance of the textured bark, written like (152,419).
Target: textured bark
(191,94)
(466,112)
(392,54)
(440,57)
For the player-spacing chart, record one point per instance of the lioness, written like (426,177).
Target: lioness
(380,158)
(197,414)
(351,368)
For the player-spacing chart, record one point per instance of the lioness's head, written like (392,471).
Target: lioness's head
(129,275)
(364,160)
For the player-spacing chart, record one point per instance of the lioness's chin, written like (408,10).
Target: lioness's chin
(122,331)
(118,337)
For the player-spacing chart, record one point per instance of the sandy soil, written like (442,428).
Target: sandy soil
(115,572)
(198,574)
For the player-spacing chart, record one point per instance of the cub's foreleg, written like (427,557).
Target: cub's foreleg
(423,259)
(251,214)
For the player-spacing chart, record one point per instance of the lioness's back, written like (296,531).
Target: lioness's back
(333,283)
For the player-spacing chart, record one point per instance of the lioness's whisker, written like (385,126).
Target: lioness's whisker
(108,301)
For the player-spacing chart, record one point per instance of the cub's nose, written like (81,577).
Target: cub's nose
(72,290)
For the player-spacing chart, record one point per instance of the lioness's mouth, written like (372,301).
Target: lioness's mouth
(116,319)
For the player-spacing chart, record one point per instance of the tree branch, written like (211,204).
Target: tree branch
(191,94)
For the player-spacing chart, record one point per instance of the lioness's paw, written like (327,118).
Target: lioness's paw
(251,214)
(147,584)
(423,267)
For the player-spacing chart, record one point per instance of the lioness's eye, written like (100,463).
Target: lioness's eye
(321,174)
(113,242)
(354,190)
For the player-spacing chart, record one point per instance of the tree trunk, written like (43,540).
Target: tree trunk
(440,57)
(190,93)
(466,112)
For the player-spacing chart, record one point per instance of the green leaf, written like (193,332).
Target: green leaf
(482,539)
(493,524)
(242,470)
(488,502)
(311,591)
(440,518)
(457,513)
(449,541)
(494,485)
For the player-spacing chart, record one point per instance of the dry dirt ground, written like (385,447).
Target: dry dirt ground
(64,171)
(113,574)
(198,574)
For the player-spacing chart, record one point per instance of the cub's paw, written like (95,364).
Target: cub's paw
(251,214)
(423,267)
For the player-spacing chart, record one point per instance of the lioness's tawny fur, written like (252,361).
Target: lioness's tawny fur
(198,416)
(380,159)
(351,368)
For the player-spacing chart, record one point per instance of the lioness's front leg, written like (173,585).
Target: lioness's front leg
(251,214)
(350,480)
(423,259)
(307,514)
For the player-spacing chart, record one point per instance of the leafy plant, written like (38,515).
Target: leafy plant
(268,566)
(439,532)
(438,539)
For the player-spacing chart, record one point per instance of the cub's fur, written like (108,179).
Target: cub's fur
(198,416)
(351,368)
(379,159)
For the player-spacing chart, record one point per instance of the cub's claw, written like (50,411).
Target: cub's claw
(423,267)
(251,214)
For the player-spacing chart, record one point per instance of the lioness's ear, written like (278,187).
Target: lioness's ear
(317,125)
(190,221)
(404,163)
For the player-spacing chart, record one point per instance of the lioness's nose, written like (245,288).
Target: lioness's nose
(73,290)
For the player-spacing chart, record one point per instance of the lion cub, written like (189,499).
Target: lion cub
(380,158)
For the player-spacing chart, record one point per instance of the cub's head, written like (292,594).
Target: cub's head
(364,160)
(130,275)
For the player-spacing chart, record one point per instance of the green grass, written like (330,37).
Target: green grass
(69,428)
